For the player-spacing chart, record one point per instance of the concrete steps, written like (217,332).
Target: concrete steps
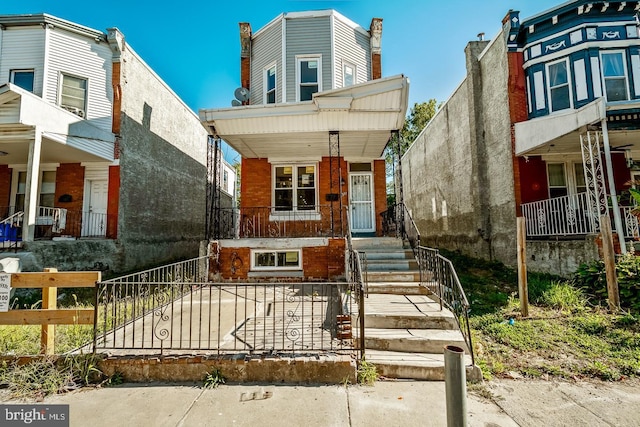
(405,330)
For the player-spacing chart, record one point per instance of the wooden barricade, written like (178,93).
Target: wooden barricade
(49,315)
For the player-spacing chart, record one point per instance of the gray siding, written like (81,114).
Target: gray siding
(76,55)
(351,46)
(23,48)
(308,36)
(266,49)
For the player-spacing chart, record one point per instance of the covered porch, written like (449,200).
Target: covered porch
(578,165)
(54,168)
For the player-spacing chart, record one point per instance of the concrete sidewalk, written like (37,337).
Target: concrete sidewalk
(388,403)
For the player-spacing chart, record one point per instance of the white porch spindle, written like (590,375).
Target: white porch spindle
(593,177)
(612,186)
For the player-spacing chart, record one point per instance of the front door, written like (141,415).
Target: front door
(361,201)
(94,219)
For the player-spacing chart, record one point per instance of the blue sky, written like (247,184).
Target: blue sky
(194,45)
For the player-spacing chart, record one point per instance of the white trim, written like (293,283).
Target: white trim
(596,76)
(568,84)
(268,25)
(12,75)
(618,44)
(332,51)
(299,214)
(623,54)
(299,60)
(284,60)
(635,72)
(529,105)
(265,79)
(346,63)
(580,77)
(538,84)
(254,252)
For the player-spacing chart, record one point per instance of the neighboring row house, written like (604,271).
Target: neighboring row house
(311,121)
(101,164)
(545,126)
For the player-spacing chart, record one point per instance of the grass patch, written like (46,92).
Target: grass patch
(565,335)
(367,373)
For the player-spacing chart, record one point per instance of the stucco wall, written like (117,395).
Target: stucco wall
(162,170)
(560,257)
(458,175)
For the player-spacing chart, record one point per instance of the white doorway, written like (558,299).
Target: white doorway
(94,216)
(361,201)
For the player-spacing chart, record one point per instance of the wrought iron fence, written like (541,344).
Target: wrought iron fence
(176,308)
(397,221)
(570,215)
(356,277)
(439,276)
(273,221)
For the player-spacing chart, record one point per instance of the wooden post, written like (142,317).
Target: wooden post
(49,302)
(523,289)
(609,254)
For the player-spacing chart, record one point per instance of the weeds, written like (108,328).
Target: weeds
(213,379)
(367,373)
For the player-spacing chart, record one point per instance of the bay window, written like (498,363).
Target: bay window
(614,75)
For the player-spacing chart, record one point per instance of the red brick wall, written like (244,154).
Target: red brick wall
(318,263)
(255,185)
(117,99)
(518,113)
(5,187)
(376,66)
(113,202)
(380,192)
(70,181)
(533,179)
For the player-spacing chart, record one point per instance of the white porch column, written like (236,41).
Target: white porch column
(612,186)
(31,190)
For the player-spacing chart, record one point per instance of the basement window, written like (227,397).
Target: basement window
(276,260)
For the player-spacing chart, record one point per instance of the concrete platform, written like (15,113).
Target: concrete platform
(383,311)
(413,340)
(418,366)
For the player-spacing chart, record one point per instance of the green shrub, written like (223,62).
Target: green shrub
(563,296)
(592,279)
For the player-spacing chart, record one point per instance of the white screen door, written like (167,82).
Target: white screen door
(94,220)
(361,203)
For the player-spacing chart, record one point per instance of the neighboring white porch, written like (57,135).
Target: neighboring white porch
(34,133)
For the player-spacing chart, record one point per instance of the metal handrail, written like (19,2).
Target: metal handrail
(355,278)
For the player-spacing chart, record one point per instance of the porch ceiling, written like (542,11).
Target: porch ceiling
(560,133)
(66,138)
(364,115)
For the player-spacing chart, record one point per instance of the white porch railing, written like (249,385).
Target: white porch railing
(569,216)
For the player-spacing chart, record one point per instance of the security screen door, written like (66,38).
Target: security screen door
(361,203)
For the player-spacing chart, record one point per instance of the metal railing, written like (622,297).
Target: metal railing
(569,216)
(439,276)
(256,222)
(396,220)
(356,275)
(437,273)
(175,308)
(52,222)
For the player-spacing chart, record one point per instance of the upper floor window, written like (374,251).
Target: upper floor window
(309,77)
(73,94)
(295,187)
(558,84)
(348,74)
(23,79)
(615,76)
(270,85)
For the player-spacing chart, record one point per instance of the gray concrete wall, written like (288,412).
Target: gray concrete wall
(162,171)
(458,175)
(560,257)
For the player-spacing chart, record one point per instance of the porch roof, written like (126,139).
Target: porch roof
(66,136)
(364,114)
(560,133)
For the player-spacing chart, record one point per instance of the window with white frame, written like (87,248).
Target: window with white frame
(289,259)
(614,74)
(294,187)
(557,180)
(558,85)
(348,74)
(23,79)
(309,77)
(581,184)
(73,94)
(270,84)
(47,185)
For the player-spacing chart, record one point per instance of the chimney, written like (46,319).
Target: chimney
(245,55)
(375,30)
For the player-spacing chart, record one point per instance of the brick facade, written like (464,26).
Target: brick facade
(5,187)
(517,113)
(70,182)
(380,192)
